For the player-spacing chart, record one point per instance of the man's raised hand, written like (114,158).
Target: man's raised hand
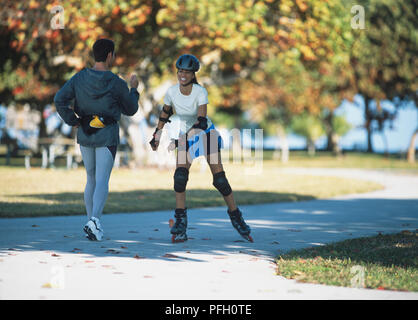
(133,81)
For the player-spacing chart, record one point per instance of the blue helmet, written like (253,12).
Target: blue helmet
(188,62)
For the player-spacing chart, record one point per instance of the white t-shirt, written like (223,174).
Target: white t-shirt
(186,106)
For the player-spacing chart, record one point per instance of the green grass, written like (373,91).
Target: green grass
(322,159)
(47,192)
(348,160)
(389,262)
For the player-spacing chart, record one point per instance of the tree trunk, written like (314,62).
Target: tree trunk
(335,147)
(411,148)
(368,117)
(282,146)
(385,143)
(42,130)
(285,149)
(311,147)
(330,132)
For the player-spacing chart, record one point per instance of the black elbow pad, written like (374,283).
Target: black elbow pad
(169,112)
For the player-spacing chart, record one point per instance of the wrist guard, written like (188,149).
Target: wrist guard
(155,138)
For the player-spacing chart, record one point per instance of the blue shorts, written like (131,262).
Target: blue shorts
(203,143)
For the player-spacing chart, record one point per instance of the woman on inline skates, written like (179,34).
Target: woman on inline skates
(198,136)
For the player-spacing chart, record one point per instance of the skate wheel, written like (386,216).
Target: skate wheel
(174,240)
(171,223)
(250,238)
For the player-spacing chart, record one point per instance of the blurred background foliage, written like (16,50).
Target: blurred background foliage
(283,65)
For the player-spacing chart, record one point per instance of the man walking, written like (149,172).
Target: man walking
(100,97)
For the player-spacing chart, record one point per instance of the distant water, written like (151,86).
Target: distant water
(398,135)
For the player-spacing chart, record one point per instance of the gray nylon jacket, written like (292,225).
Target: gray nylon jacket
(99,93)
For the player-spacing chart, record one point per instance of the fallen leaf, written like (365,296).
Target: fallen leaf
(206,239)
(112,251)
(138,257)
(123,247)
(89,261)
(47,285)
(169,255)
(299,273)
(55,255)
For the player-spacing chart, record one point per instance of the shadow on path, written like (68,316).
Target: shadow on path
(72,203)
(276,228)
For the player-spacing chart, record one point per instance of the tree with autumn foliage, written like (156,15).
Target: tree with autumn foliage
(149,36)
(309,74)
(384,59)
(296,56)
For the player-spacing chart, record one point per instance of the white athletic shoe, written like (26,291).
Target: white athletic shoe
(93,229)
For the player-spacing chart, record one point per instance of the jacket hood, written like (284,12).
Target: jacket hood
(97,83)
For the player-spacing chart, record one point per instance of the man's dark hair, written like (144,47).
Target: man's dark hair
(101,49)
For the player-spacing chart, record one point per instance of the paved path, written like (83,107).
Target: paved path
(48,258)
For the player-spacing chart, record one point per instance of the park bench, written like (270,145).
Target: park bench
(48,151)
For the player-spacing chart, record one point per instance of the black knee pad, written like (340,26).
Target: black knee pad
(221,183)
(181,176)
